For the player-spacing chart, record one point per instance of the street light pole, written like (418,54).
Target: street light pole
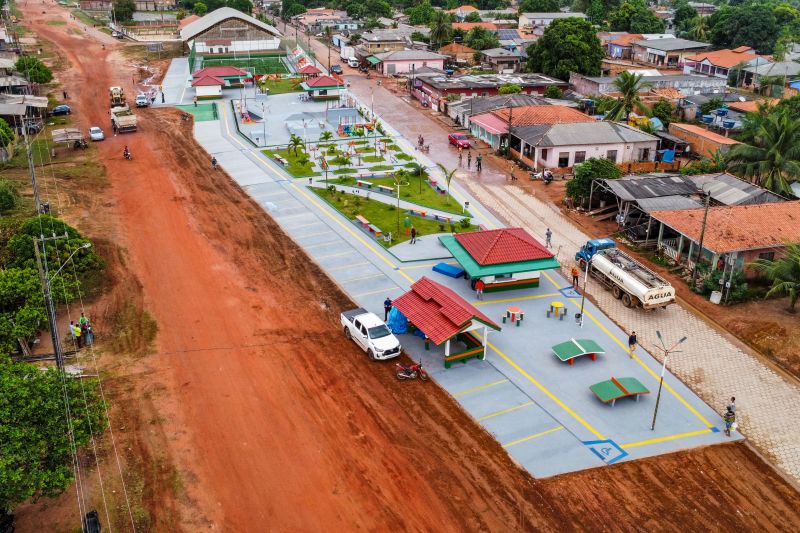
(667,352)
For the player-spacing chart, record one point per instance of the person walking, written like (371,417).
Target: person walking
(479,286)
(732,405)
(88,337)
(632,342)
(575,277)
(387,306)
(460,156)
(194,100)
(730,421)
(76,331)
(413,234)
(469,160)
(214,162)
(479,163)
(65,94)
(548,238)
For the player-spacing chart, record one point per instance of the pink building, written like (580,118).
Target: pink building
(406,61)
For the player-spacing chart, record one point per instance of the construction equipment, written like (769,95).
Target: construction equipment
(117,96)
(122,119)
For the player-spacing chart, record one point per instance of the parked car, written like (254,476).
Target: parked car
(336,69)
(96,134)
(459,140)
(142,100)
(61,110)
(117,34)
(370,333)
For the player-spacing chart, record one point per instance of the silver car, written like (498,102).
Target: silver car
(96,134)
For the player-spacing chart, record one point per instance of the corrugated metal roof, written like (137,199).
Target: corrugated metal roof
(639,187)
(667,203)
(728,189)
(484,104)
(669,45)
(593,133)
(219,15)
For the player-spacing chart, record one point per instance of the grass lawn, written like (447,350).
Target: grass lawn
(283,86)
(377,168)
(345,170)
(384,216)
(56,22)
(261,65)
(294,167)
(402,156)
(372,158)
(410,193)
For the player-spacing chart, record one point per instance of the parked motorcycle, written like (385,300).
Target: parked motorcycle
(80,143)
(413,371)
(545,175)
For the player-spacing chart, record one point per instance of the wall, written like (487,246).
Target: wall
(625,152)
(207,92)
(237,46)
(698,144)
(402,67)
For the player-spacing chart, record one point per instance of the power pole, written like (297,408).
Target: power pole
(702,236)
(31,168)
(44,275)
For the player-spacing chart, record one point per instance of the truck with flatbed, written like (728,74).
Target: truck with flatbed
(122,119)
(629,281)
(370,333)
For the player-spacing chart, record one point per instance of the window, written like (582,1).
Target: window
(543,154)
(580,157)
(563,159)
(769,256)
(644,154)
(611,155)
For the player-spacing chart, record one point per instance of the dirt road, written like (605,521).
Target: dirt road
(274,421)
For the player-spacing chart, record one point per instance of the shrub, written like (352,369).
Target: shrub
(465,223)
(553,92)
(9,196)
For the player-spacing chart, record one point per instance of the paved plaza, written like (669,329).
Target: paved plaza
(539,408)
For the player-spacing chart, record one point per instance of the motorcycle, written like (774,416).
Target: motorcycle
(127,155)
(544,175)
(80,143)
(425,148)
(413,371)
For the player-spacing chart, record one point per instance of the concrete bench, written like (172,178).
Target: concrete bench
(280,160)
(363,221)
(376,230)
(366,184)
(386,189)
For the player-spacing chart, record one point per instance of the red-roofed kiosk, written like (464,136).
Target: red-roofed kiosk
(505,259)
(444,316)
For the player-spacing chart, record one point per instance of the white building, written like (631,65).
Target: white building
(226,30)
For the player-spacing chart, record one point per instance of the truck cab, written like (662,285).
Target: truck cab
(370,333)
(588,250)
(352,62)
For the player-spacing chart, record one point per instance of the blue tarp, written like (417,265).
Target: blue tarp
(667,156)
(397,323)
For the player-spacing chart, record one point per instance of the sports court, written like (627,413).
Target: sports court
(272,64)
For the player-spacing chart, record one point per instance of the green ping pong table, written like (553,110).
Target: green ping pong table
(613,389)
(568,351)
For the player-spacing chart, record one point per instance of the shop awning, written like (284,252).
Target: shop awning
(372,60)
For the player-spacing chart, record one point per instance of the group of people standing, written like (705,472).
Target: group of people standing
(82,334)
(478,160)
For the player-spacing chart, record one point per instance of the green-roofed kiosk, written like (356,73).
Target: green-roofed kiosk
(505,259)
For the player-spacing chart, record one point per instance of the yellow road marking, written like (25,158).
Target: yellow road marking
(504,411)
(482,387)
(667,438)
(531,437)
(518,299)
(368,293)
(626,349)
(542,388)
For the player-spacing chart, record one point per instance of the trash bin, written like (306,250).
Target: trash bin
(716,297)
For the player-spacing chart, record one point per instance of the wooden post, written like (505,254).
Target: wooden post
(485,340)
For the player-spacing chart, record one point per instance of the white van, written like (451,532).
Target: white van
(352,62)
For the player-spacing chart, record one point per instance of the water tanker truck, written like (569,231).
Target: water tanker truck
(629,280)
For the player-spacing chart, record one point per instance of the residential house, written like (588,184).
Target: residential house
(378,41)
(437,89)
(667,15)
(566,145)
(323,88)
(35,110)
(501,59)
(703,9)
(528,22)
(459,53)
(702,141)
(686,84)
(788,70)
(492,127)
(621,47)
(462,111)
(407,61)
(466,26)
(733,236)
(751,106)
(461,12)
(719,62)
(669,52)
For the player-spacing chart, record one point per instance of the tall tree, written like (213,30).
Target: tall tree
(751,24)
(630,87)
(421,13)
(634,16)
(596,12)
(684,14)
(784,273)
(773,159)
(567,45)
(124,9)
(481,39)
(538,6)
(440,29)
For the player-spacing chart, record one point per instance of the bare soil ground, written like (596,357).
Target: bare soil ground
(252,409)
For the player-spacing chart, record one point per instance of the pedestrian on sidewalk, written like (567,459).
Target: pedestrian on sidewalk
(730,421)
(460,156)
(548,238)
(413,234)
(479,163)
(632,342)
(479,286)
(469,159)
(214,162)
(575,277)
(162,98)
(732,405)
(387,306)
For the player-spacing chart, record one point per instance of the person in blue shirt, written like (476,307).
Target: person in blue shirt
(387,306)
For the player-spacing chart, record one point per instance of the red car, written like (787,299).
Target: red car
(459,140)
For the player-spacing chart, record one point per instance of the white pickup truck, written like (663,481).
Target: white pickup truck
(370,333)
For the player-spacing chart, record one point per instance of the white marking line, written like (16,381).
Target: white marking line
(299,237)
(326,243)
(362,278)
(298,226)
(346,266)
(390,289)
(337,254)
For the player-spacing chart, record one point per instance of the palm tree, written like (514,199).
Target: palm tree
(326,136)
(295,142)
(773,159)
(448,174)
(440,29)
(629,85)
(698,29)
(418,170)
(784,274)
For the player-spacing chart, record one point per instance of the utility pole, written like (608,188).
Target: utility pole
(702,236)
(32,169)
(48,297)
(666,351)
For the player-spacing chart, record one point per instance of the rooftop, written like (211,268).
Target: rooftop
(596,132)
(702,132)
(751,106)
(500,52)
(190,31)
(543,114)
(484,104)
(220,72)
(740,227)
(320,82)
(554,15)
(409,55)
(671,45)
(309,69)
(506,245)
(456,48)
(207,81)
(489,81)
(466,26)
(726,58)
(626,40)
(781,68)
(438,311)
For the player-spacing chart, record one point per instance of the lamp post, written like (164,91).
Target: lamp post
(667,352)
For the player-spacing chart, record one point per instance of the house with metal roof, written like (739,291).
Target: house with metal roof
(501,59)
(446,318)
(669,52)
(733,236)
(406,61)
(504,259)
(227,30)
(687,84)
(462,111)
(566,145)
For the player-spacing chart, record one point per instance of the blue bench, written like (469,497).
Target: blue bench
(452,271)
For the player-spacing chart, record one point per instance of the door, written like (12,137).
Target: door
(361,334)
(391,68)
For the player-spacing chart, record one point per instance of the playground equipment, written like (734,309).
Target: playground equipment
(351,130)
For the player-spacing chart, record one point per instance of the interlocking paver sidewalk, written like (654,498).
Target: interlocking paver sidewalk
(711,365)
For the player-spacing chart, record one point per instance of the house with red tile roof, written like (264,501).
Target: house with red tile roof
(208,87)
(621,46)
(309,70)
(445,318)
(719,62)
(504,259)
(323,88)
(466,26)
(734,236)
(232,76)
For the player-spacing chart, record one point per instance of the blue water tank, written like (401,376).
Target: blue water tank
(728,123)
(721,112)
(708,119)
(698,115)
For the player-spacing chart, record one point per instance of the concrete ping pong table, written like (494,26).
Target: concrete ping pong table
(572,349)
(614,389)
